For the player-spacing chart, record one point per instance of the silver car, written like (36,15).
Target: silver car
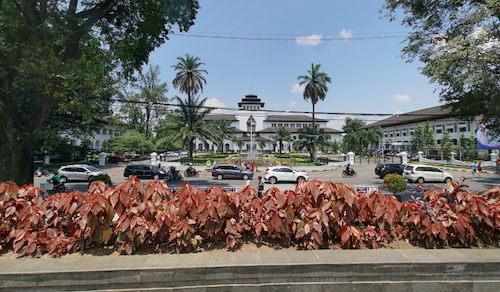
(424,173)
(284,173)
(78,172)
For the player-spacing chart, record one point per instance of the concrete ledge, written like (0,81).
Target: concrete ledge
(323,270)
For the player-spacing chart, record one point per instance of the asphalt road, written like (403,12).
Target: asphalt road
(366,178)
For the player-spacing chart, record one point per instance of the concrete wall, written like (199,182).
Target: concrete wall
(324,270)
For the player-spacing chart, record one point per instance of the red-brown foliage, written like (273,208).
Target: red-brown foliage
(317,214)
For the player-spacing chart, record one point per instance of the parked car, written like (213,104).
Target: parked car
(116,159)
(184,153)
(78,172)
(221,171)
(383,169)
(171,154)
(145,171)
(283,173)
(424,173)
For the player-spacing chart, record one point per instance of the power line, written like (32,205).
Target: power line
(305,39)
(278,111)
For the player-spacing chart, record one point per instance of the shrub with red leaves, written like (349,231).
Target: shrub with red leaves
(317,214)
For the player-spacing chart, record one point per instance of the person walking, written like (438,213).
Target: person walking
(260,187)
(479,169)
(474,168)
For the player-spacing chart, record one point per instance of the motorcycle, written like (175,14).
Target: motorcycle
(41,172)
(174,174)
(60,188)
(351,173)
(191,172)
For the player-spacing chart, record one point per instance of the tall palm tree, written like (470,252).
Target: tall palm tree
(282,135)
(221,130)
(315,90)
(188,121)
(189,79)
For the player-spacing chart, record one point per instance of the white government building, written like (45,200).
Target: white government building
(398,129)
(265,126)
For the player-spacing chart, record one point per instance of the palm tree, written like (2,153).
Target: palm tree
(282,135)
(240,144)
(189,79)
(221,130)
(306,139)
(375,135)
(262,144)
(315,90)
(188,122)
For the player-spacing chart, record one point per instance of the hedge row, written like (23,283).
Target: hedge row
(317,214)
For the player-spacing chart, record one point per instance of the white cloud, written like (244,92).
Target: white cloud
(312,40)
(292,104)
(297,88)
(346,34)
(400,98)
(213,102)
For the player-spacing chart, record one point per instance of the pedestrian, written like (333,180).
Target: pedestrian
(215,163)
(253,167)
(479,168)
(260,187)
(474,168)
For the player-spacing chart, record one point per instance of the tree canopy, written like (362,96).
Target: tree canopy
(59,62)
(458,41)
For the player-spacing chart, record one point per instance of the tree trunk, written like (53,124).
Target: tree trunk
(313,152)
(15,159)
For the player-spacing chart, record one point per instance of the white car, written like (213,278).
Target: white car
(425,173)
(284,173)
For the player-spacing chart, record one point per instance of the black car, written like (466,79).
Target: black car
(221,171)
(383,169)
(144,171)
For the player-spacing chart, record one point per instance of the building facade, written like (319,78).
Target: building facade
(398,129)
(264,125)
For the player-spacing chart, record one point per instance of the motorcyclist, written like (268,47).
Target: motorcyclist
(173,172)
(55,180)
(348,169)
(190,169)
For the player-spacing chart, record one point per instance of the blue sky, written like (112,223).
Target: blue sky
(368,76)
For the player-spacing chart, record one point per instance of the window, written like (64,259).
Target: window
(294,137)
(397,134)
(111,132)
(439,131)
(273,125)
(404,134)
(463,129)
(104,131)
(286,125)
(438,142)
(299,125)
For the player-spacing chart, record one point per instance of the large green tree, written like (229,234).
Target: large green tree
(422,137)
(458,41)
(144,108)
(58,62)
(315,90)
